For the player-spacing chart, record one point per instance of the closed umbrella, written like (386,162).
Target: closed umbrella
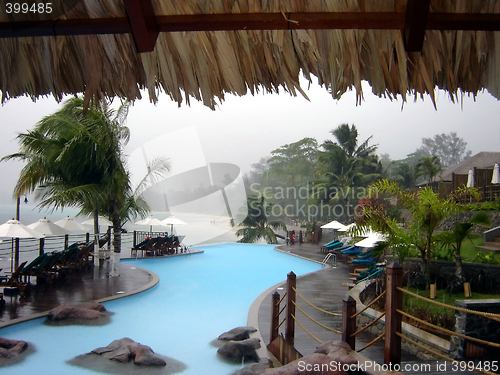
(14,229)
(46,227)
(172,220)
(151,221)
(470,178)
(72,225)
(495,179)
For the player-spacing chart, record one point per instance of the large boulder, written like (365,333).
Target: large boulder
(125,349)
(237,334)
(88,311)
(255,368)
(311,364)
(238,350)
(11,348)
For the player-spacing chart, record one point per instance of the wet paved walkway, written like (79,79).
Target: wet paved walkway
(323,289)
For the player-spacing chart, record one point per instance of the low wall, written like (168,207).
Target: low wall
(482,277)
(476,326)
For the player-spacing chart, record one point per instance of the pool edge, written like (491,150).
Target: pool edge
(253,312)
(155,279)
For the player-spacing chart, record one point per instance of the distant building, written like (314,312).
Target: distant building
(481,165)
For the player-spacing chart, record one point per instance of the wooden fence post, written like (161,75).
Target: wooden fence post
(348,322)
(393,301)
(290,309)
(275,317)
(41,246)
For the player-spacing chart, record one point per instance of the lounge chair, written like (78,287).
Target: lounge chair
(14,280)
(42,266)
(145,246)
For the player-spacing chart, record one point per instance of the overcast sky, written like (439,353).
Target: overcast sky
(243,129)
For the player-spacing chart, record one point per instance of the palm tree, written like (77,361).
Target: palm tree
(427,209)
(428,167)
(74,158)
(256,224)
(345,165)
(454,239)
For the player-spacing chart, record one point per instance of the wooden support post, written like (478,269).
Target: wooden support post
(275,317)
(135,239)
(16,254)
(41,248)
(66,240)
(348,322)
(290,309)
(393,301)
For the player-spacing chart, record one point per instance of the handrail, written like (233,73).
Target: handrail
(281,300)
(315,321)
(371,342)
(309,333)
(369,305)
(447,331)
(485,314)
(316,307)
(327,258)
(283,321)
(368,325)
(437,354)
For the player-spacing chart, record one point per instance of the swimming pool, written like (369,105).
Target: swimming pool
(198,297)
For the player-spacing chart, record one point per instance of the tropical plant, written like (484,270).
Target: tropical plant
(344,166)
(454,238)
(74,158)
(256,225)
(428,167)
(427,210)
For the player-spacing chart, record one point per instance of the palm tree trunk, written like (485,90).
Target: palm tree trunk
(117,243)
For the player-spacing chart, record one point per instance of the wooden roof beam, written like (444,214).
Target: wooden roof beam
(417,12)
(143,24)
(247,21)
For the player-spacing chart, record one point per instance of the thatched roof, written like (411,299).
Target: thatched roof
(482,160)
(204,49)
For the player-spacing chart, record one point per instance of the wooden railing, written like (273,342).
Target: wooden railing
(393,315)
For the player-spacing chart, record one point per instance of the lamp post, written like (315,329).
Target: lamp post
(18,206)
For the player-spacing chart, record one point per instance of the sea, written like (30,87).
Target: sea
(200,229)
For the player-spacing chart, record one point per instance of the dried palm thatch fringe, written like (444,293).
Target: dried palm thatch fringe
(207,65)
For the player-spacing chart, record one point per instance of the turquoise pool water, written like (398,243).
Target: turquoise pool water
(199,297)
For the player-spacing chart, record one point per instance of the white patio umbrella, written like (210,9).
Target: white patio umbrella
(372,239)
(101,220)
(172,220)
(151,221)
(347,227)
(333,225)
(46,227)
(14,229)
(72,225)
(495,179)
(470,178)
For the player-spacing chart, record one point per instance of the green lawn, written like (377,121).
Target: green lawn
(470,253)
